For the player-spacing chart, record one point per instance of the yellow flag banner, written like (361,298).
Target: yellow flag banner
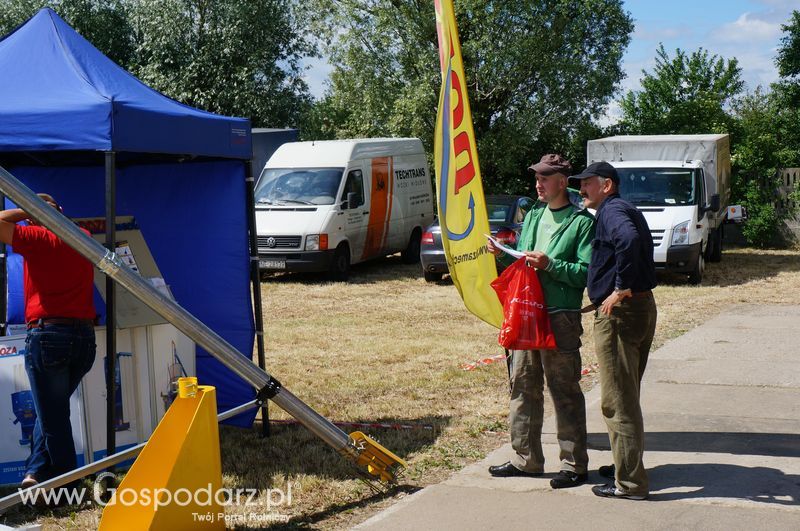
(462,207)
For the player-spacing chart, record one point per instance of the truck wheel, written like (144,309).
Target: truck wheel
(340,266)
(696,276)
(432,276)
(715,242)
(411,254)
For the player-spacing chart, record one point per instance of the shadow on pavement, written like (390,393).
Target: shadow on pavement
(766,444)
(713,480)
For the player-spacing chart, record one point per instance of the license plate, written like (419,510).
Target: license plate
(272,264)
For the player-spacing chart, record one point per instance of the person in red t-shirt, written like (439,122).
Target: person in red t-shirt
(60,347)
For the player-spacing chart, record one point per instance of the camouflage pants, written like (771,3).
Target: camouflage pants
(562,368)
(622,341)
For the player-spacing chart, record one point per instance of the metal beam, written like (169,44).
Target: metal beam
(108,262)
(101,464)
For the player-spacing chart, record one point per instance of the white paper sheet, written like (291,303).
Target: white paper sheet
(508,250)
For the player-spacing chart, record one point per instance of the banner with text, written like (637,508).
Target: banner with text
(461,203)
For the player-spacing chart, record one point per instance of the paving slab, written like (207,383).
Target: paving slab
(722,422)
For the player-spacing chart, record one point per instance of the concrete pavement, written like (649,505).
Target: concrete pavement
(722,420)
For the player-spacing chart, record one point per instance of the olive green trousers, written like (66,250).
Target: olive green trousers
(622,343)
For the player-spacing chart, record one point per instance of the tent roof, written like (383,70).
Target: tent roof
(58,92)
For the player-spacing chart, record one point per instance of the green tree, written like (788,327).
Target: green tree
(234,57)
(768,139)
(537,73)
(683,94)
(788,59)
(757,156)
(103,22)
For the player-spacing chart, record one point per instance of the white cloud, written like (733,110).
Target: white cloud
(316,75)
(747,29)
(776,11)
(758,67)
(752,39)
(612,115)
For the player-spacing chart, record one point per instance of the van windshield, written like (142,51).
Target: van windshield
(305,186)
(658,186)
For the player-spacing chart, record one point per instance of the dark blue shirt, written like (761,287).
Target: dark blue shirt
(622,251)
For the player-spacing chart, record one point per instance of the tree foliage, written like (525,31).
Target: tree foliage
(685,94)
(788,62)
(767,139)
(103,22)
(234,57)
(788,59)
(761,149)
(537,72)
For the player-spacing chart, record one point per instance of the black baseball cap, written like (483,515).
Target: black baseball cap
(595,169)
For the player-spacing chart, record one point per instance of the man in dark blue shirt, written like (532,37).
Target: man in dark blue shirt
(620,281)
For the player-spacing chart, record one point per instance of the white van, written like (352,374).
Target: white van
(324,205)
(681,183)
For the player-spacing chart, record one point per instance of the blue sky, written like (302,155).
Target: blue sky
(746,29)
(749,30)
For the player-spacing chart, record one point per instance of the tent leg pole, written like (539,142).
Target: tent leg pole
(255,280)
(372,459)
(242,365)
(3,280)
(111,328)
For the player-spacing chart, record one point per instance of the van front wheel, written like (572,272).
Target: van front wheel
(411,253)
(340,265)
(696,276)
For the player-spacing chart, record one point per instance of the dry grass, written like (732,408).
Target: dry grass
(388,347)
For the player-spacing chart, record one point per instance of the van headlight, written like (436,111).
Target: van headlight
(680,233)
(316,242)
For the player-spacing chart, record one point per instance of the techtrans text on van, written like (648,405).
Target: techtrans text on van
(324,205)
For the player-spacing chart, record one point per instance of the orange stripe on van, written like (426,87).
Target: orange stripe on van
(378,206)
(390,200)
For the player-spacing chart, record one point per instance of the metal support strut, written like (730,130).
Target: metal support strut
(68,477)
(369,456)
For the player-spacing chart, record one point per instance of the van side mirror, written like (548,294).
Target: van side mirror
(352,199)
(715,203)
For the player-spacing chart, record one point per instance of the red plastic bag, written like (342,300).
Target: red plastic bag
(526,325)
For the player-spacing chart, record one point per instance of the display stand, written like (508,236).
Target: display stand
(150,357)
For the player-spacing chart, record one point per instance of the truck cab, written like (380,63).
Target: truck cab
(681,183)
(677,205)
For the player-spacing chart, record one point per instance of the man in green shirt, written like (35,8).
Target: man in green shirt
(556,239)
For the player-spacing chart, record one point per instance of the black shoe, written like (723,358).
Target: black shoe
(610,491)
(607,471)
(507,470)
(566,479)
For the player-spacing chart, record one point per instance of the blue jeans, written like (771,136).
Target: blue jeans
(56,358)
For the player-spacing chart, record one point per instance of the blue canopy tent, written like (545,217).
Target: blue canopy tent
(75,124)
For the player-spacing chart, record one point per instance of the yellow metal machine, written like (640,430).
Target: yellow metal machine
(174,482)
